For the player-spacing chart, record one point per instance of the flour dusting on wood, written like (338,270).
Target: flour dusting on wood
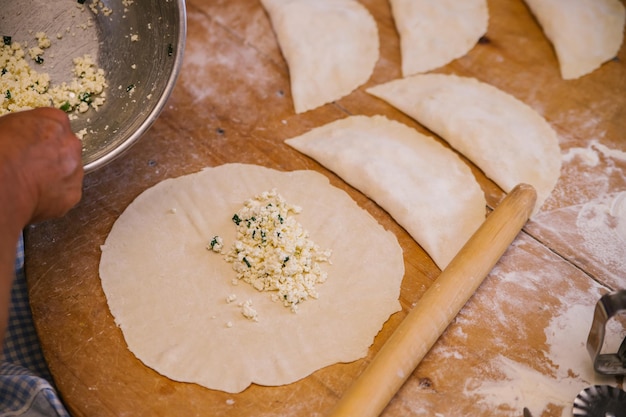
(589,227)
(602,224)
(560,370)
(219,76)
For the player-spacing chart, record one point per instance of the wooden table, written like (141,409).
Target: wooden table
(520,341)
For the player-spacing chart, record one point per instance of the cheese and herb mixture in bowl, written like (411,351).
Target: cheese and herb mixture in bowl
(28,66)
(22,87)
(111,65)
(273,252)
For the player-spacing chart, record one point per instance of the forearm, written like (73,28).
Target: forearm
(40,178)
(10,228)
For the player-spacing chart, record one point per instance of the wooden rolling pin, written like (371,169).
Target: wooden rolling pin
(425,323)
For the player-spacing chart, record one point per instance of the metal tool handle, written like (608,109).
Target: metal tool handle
(608,363)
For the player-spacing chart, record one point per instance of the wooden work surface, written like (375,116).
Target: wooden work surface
(519,342)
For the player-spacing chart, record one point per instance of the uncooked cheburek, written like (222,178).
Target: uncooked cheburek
(504,137)
(434,32)
(331,47)
(424,186)
(585,33)
(169,294)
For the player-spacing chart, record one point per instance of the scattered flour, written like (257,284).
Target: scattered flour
(587,173)
(545,380)
(602,224)
(586,155)
(585,219)
(207,64)
(590,155)
(618,212)
(524,386)
(610,153)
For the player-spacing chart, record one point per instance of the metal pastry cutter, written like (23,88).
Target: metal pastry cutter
(607,363)
(600,401)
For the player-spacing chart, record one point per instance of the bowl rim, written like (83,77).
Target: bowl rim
(156,111)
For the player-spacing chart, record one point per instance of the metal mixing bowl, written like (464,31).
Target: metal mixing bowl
(139,45)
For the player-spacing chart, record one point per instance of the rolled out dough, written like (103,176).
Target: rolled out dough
(503,136)
(424,186)
(435,32)
(585,33)
(168,293)
(331,47)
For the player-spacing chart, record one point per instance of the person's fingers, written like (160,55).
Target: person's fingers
(70,151)
(70,170)
(47,162)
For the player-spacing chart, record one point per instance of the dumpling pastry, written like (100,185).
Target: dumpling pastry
(171,297)
(508,140)
(435,32)
(423,185)
(331,47)
(585,33)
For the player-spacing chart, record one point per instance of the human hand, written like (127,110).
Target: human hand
(41,170)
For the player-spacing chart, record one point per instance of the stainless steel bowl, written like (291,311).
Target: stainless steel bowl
(138,43)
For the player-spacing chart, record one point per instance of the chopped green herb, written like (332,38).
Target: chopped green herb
(214,242)
(86,97)
(280,219)
(39,59)
(170,49)
(130,87)
(236,219)
(7,95)
(285,261)
(6,40)
(4,71)
(81,1)
(66,107)
(246,262)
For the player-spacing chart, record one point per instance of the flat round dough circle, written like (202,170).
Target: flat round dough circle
(168,293)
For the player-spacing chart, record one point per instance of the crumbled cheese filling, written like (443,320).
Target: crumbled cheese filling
(23,88)
(98,6)
(216,244)
(248,311)
(273,252)
(42,40)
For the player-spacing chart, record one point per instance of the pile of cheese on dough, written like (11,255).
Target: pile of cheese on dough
(23,88)
(273,252)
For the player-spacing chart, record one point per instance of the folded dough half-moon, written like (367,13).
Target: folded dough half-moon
(585,33)
(423,185)
(503,136)
(435,32)
(331,47)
